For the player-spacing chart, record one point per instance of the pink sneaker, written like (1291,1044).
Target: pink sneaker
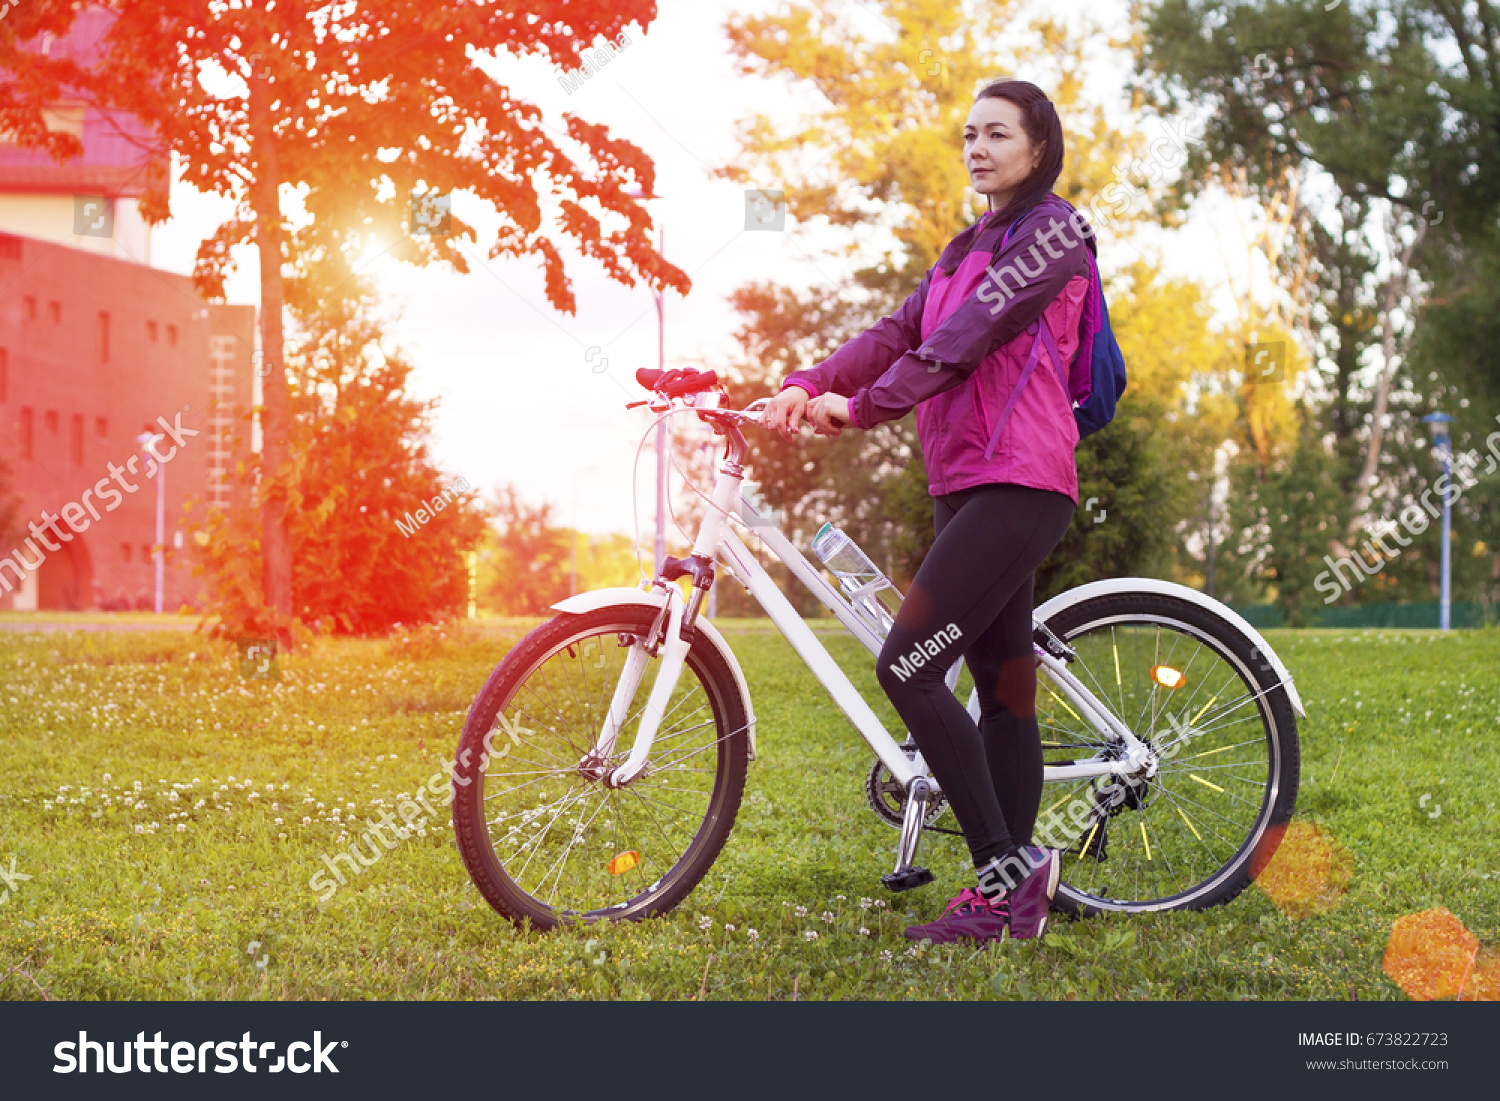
(1032,897)
(967,915)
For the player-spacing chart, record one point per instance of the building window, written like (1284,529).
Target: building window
(101,427)
(172,335)
(54,312)
(50,420)
(4,375)
(76,440)
(103,337)
(26,433)
(125,550)
(29,307)
(151,331)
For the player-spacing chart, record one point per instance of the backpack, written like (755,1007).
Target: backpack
(1095,381)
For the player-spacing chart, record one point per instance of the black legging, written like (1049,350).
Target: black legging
(972,597)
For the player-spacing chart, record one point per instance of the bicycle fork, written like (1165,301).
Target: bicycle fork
(673,651)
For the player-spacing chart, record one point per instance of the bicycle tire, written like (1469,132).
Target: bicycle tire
(1276,720)
(474,773)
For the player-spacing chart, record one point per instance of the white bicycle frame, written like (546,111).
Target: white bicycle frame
(717,542)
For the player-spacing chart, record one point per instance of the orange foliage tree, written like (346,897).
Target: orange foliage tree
(364,558)
(356,108)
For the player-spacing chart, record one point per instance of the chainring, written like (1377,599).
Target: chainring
(887,798)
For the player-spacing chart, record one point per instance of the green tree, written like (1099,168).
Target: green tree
(527,557)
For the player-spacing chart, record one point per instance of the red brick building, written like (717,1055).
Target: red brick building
(94,346)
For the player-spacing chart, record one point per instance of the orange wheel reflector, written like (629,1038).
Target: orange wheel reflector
(1167,677)
(623,863)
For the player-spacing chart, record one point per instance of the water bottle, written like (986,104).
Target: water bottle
(874,597)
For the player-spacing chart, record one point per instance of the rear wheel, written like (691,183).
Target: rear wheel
(1193,832)
(544,838)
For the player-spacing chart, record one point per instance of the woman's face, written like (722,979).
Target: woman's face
(997,152)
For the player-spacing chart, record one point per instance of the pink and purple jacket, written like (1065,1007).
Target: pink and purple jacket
(956,348)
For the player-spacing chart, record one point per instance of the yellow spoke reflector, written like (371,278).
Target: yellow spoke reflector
(1206,706)
(1088,841)
(1190,825)
(1168,677)
(1209,753)
(623,863)
(1145,839)
(1064,702)
(1116,650)
(1205,783)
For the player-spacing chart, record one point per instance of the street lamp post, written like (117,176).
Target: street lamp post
(155,468)
(1438,423)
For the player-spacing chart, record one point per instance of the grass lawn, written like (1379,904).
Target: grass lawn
(170,813)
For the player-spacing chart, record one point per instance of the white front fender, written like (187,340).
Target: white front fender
(1191,596)
(602,598)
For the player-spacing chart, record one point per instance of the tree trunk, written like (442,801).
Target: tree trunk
(276,547)
(1395,290)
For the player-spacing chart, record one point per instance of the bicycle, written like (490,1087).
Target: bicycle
(1183,773)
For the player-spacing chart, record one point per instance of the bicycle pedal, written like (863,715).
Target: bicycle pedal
(914,877)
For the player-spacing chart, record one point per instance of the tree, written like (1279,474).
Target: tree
(1384,114)
(528,557)
(379,536)
(361,111)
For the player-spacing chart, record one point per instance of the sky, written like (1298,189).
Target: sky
(534,397)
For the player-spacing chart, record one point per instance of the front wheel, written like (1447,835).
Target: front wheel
(545,840)
(1195,831)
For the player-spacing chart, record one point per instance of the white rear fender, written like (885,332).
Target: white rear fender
(1191,596)
(603,598)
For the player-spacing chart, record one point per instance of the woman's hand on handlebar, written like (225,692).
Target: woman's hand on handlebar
(785,412)
(828,413)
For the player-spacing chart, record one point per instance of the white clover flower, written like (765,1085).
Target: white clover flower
(865,904)
(886,956)
(839,897)
(173,797)
(863,931)
(880,904)
(139,828)
(278,821)
(810,936)
(827,917)
(753,934)
(705,922)
(800,911)
(307,821)
(728,928)
(182,827)
(107,778)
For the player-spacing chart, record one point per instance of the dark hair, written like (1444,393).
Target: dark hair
(1043,128)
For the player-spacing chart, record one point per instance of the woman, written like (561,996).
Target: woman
(1000,462)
